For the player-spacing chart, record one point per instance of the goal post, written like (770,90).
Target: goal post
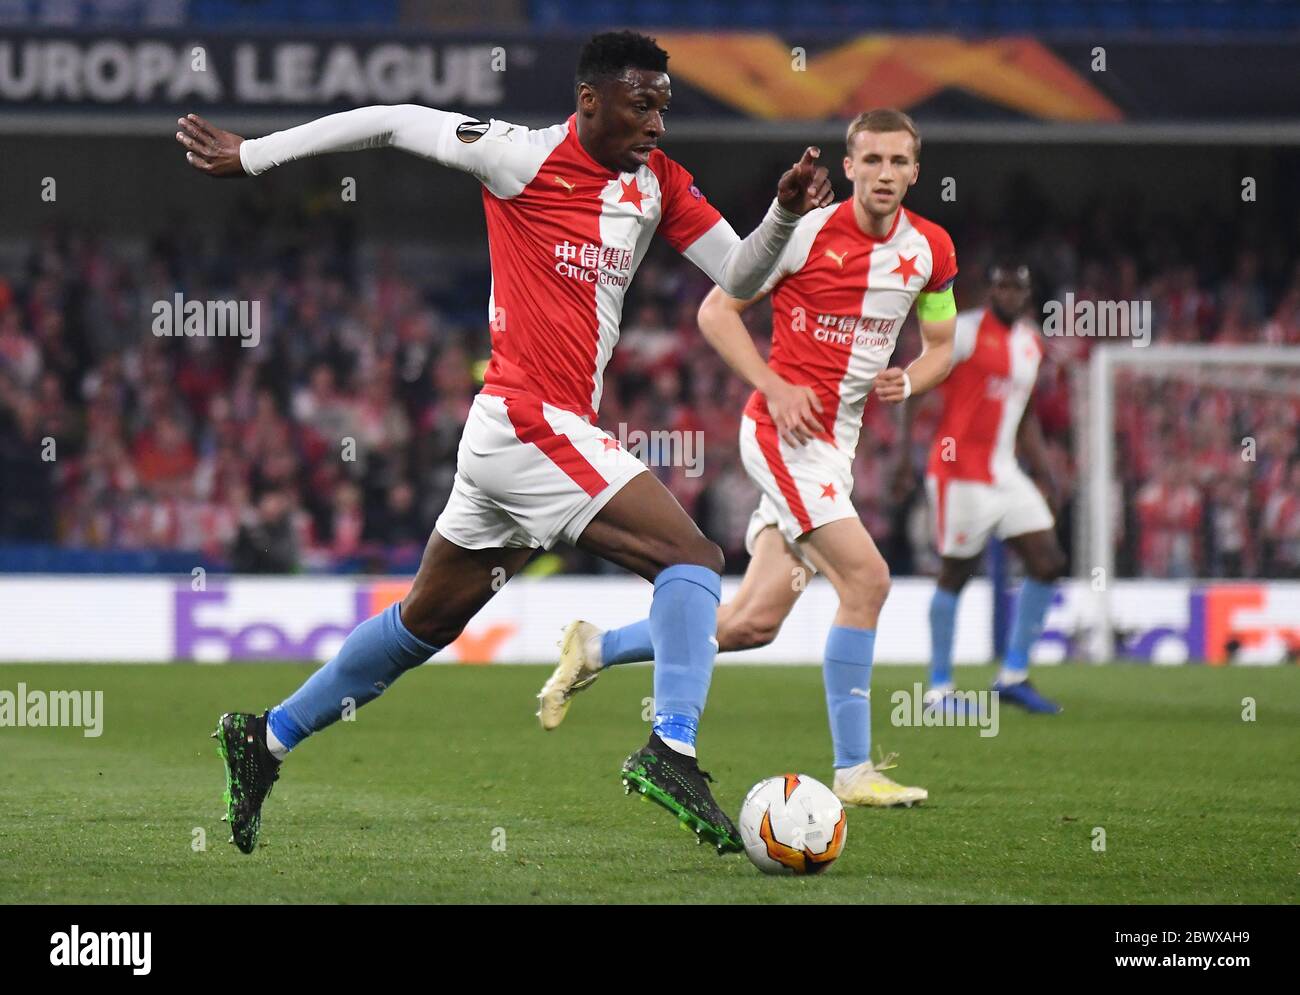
(1095,439)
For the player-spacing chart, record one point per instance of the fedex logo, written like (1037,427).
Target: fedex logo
(1177,623)
(207,629)
(1253,623)
(295,622)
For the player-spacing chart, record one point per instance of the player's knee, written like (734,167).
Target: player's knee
(701,552)
(749,632)
(865,587)
(954,576)
(422,620)
(951,582)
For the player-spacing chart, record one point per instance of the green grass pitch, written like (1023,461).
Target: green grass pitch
(406,803)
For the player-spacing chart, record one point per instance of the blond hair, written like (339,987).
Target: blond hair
(884,119)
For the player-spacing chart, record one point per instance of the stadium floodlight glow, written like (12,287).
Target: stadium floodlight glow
(1097,524)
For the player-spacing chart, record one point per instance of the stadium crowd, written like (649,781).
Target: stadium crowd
(331,444)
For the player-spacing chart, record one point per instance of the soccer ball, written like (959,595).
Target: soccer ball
(792,824)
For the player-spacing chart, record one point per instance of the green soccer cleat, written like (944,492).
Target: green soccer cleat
(251,771)
(675,781)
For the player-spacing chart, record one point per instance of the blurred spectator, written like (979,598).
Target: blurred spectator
(1169,512)
(27,483)
(266,541)
(1282,526)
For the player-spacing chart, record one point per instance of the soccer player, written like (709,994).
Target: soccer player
(840,293)
(570,213)
(977,489)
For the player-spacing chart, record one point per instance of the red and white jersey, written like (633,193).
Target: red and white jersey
(839,298)
(994,372)
(565,233)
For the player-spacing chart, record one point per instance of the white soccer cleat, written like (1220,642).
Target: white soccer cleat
(577,670)
(866,785)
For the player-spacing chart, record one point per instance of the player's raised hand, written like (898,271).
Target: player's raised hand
(794,409)
(889,385)
(210,150)
(805,185)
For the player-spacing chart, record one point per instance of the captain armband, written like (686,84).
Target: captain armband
(937,306)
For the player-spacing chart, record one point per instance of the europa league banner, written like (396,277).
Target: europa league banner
(716,76)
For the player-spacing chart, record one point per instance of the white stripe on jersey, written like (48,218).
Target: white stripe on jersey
(1026,354)
(622,226)
(884,299)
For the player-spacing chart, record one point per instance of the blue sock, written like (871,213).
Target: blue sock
(683,627)
(630,644)
(943,621)
(847,675)
(1031,608)
(376,653)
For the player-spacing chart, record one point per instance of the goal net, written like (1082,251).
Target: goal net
(1189,472)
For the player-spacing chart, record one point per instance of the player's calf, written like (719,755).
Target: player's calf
(452,586)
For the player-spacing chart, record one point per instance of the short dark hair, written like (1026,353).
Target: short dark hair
(606,56)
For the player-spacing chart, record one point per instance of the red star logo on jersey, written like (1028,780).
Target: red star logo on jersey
(828,491)
(609,444)
(631,194)
(906,266)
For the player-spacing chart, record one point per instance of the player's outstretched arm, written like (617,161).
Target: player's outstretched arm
(793,407)
(928,370)
(424,131)
(739,266)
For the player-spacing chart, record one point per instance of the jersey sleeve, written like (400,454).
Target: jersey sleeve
(965,335)
(785,265)
(944,257)
(502,156)
(686,214)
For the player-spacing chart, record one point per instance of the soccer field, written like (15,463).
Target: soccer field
(446,790)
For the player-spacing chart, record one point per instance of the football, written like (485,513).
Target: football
(792,824)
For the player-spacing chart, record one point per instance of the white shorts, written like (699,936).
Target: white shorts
(803,487)
(529,474)
(966,512)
